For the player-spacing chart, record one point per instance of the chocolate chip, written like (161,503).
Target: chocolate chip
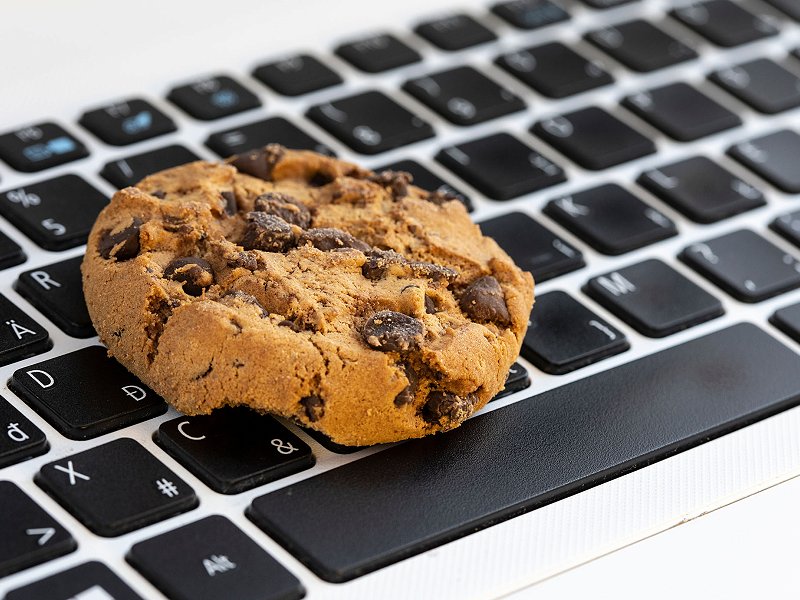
(284,206)
(244,260)
(406,396)
(230,202)
(160,194)
(267,232)
(122,245)
(195,274)
(290,324)
(434,272)
(259,163)
(439,197)
(396,181)
(378,263)
(447,406)
(390,331)
(315,407)
(483,301)
(329,238)
(430,306)
(321,178)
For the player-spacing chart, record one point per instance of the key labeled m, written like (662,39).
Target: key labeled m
(616,284)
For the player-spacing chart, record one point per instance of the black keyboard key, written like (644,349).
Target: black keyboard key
(378,53)
(234,450)
(297,75)
(212,559)
(517,380)
(30,535)
(788,320)
(564,335)
(116,487)
(276,130)
(745,265)
(329,444)
(611,219)
(501,166)
(10,252)
(641,46)
(773,157)
(455,32)
(56,214)
(127,122)
(88,581)
(762,83)
(606,3)
(529,454)
(464,96)
(724,23)
(790,7)
(554,70)
(427,180)
(654,298)
(530,14)
(701,189)
(681,111)
(20,336)
(39,147)
(594,138)
(132,169)
(533,247)
(85,393)
(19,438)
(57,291)
(788,226)
(213,98)
(370,122)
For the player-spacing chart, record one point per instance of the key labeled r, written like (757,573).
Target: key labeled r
(44,279)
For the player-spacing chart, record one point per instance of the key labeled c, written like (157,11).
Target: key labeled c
(186,435)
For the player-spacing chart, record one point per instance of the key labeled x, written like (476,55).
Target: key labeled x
(71,472)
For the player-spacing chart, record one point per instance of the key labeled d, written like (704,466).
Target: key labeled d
(43,378)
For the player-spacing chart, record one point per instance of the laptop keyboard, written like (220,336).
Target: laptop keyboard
(634,229)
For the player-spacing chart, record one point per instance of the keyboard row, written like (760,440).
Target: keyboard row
(370,122)
(58,213)
(559,442)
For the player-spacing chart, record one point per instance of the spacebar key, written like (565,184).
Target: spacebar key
(420,494)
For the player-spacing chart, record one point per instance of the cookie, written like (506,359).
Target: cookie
(304,286)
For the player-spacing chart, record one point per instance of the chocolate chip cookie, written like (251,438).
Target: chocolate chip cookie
(300,285)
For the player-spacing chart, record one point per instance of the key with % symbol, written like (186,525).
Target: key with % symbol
(24,198)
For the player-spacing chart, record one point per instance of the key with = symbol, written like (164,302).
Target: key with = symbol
(116,487)
(233,450)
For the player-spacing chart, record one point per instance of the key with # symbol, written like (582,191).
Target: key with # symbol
(234,450)
(116,487)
